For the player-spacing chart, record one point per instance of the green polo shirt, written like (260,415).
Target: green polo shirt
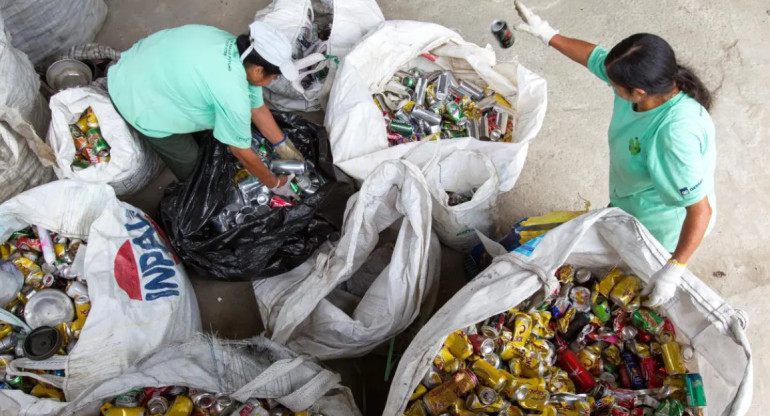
(184,80)
(661,160)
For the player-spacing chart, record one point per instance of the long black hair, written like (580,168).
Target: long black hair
(648,62)
(254,58)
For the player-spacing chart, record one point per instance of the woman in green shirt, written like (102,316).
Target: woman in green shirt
(661,140)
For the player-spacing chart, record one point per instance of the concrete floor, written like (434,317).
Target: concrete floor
(725,42)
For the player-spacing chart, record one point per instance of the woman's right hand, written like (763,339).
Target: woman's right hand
(533,24)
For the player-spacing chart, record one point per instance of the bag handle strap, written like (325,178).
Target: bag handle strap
(12,319)
(57,362)
(310,392)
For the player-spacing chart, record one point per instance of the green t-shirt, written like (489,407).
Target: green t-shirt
(661,160)
(184,80)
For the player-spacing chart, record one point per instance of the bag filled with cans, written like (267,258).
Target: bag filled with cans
(556,328)
(226,224)
(94,144)
(464,186)
(206,376)
(372,284)
(89,285)
(322,32)
(428,84)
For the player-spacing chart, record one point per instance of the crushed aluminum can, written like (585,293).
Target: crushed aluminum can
(49,307)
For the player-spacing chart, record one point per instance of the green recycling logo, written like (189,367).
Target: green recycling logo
(634,147)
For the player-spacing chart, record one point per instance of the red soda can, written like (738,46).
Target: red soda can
(90,154)
(644,337)
(277,202)
(619,411)
(623,397)
(569,362)
(649,366)
(667,333)
(482,345)
(25,243)
(625,380)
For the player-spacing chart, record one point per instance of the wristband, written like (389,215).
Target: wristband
(279,143)
(673,261)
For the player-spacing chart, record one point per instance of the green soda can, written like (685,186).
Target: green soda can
(647,320)
(693,387)
(294,187)
(602,309)
(401,127)
(454,112)
(101,147)
(670,407)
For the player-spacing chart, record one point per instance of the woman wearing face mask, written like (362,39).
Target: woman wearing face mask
(193,78)
(661,139)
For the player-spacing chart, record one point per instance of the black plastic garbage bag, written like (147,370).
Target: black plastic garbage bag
(270,244)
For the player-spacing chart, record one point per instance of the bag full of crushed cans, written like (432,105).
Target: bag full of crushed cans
(89,285)
(322,32)
(429,84)
(94,144)
(557,327)
(207,376)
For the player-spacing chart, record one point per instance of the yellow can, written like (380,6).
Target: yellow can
(458,344)
(522,328)
(446,362)
(47,391)
(6,249)
(419,391)
(59,249)
(532,397)
(26,266)
(182,406)
(608,283)
(488,375)
(5,329)
(624,293)
(82,308)
(108,409)
(672,358)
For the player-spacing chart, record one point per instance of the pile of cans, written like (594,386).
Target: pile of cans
(255,199)
(589,349)
(457,198)
(421,106)
(183,401)
(90,147)
(52,305)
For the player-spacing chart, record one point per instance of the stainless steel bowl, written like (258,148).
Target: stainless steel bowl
(68,73)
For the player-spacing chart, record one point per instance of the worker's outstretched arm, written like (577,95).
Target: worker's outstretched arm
(575,49)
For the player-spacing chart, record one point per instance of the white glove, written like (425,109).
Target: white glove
(285,189)
(663,284)
(533,24)
(286,150)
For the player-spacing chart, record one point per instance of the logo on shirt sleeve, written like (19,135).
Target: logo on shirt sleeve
(634,147)
(686,190)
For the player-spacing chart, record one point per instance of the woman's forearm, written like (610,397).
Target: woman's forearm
(575,49)
(693,229)
(263,119)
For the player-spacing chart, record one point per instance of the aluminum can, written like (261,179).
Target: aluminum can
(625,291)
(482,344)
(488,375)
(49,307)
(672,358)
(108,409)
(439,399)
(532,397)
(202,400)
(634,371)
(583,276)
(570,363)
(182,406)
(131,398)
(419,91)
(494,359)
(278,202)
(101,147)
(429,117)
(503,35)
(295,167)
(401,127)
(522,323)
(693,388)
(670,407)
(432,378)
(418,392)
(667,332)
(157,405)
(446,362)
(647,320)
(475,403)
(458,344)
(493,325)
(473,90)
(416,409)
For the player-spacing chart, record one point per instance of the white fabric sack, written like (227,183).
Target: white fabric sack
(19,83)
(42,28)
(133,163)
(140,295)
(351,20)
(245,369)
(602,238)
(25,160)
(357,130)
(463,171)
(302,308)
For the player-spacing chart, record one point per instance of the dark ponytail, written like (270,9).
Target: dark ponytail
(688,82)
(648,62)
(243,42)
